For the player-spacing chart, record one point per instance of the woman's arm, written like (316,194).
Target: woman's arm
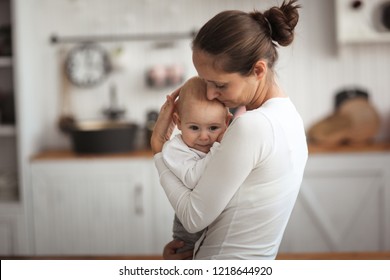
(240,149)
(165,125)
(187,164)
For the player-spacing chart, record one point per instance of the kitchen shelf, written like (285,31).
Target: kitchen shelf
(5,61)
(7,130)
(56,39)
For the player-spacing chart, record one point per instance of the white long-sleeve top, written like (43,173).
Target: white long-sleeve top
(247,192)
(186,163)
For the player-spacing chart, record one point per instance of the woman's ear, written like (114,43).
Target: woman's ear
(177,120)
(260,69)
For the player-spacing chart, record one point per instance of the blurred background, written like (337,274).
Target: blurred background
(67,63)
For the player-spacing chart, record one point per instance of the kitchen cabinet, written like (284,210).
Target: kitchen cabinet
(343,205)
(14,237)
(12,230)
(91,207)
(6,233)
(111,206)
(8,136)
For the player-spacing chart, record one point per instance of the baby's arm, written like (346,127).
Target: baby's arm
(195,168)
(187,165)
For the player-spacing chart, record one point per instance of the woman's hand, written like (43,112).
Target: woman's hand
(170,251)
(165,125)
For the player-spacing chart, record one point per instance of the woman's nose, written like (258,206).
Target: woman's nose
(211,93)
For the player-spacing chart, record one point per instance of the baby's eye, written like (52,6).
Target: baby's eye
(214,128)
(193,127)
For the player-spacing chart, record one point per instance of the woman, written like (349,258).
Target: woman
(247,192)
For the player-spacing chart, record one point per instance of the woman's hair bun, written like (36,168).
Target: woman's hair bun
(282,21)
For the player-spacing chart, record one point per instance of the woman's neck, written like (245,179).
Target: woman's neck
(265,91)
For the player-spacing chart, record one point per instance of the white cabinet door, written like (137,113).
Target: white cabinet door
(163,213)
(6,236)
(343,205)
(13,232)
(92,207)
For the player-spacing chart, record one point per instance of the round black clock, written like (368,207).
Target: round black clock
(87,65)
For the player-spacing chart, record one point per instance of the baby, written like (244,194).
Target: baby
(202,123)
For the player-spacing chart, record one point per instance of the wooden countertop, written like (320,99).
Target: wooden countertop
(67,154)
(280,256)
(313,149)
(357,148)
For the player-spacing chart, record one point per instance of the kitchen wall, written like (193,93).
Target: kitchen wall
(311,71)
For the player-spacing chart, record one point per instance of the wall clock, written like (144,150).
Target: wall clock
(87,65)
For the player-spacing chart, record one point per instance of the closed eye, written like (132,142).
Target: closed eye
(219,86)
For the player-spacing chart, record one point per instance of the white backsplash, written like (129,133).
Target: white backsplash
(311,71)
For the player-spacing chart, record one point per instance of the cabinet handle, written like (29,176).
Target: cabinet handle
(138,201)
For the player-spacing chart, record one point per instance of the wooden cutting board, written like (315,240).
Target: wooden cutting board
(355,122)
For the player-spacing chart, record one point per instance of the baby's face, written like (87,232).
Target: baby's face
(202,123)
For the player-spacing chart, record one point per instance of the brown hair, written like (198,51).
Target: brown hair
(193,89)
(238,39)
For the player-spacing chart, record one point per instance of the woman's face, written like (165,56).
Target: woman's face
(232,89)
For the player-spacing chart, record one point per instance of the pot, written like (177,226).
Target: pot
(103,137)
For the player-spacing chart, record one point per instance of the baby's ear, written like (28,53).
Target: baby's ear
(229,118)
(176,119)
